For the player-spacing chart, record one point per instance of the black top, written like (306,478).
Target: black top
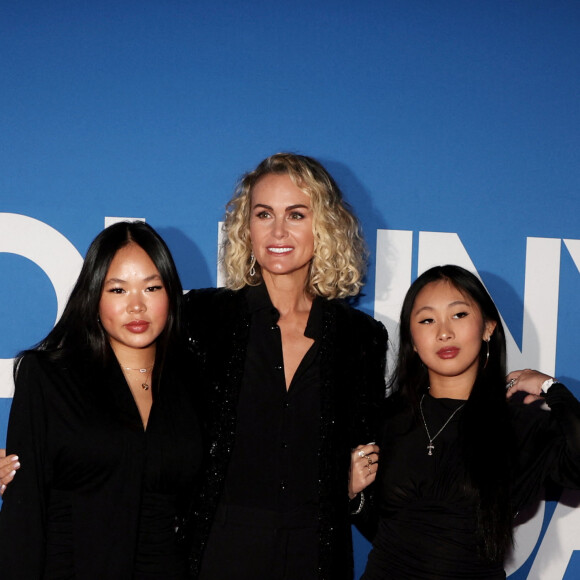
(351,354)
(97,496)
(275,427)
(428,528)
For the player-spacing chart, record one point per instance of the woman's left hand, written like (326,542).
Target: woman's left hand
(8,467)
(526,381)
(363,468)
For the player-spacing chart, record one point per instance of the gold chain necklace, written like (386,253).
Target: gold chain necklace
(145,384)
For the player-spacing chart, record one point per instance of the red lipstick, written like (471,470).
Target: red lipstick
(448,352)
(137,326)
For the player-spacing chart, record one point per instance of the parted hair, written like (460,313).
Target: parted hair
(340,253)
(79,330)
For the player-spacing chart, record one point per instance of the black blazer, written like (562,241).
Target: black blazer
(87,458)
(353,350)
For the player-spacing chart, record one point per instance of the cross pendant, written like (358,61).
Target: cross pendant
(430,448)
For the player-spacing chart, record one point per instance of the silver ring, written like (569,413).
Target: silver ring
(510,384)
(369,459)
(361,453)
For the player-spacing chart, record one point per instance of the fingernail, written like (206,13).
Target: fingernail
(2,488)
(16,465)
(15,458)
(12,473)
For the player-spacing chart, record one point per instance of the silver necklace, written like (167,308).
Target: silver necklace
(430,447)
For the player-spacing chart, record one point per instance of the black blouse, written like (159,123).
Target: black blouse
(281,424)
(427,524)
(97,495)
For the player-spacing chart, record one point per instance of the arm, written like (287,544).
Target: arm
(369,392)
(370,398)
(565,416)
(22,519)
(549,441)
(526,381)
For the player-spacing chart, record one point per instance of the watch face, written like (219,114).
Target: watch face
(547,384)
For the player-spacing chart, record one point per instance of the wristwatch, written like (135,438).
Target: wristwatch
(547,384)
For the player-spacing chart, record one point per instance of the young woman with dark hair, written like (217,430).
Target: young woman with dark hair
(458,457)
(104,423)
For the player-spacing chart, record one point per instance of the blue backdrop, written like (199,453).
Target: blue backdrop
(453,128)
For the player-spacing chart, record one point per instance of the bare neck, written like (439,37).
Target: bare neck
(288,294)
(136,358)
(450,387)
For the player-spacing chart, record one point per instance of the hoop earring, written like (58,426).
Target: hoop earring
(487,353)
(252,265)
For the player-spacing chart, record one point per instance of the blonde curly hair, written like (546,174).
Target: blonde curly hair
(340,253)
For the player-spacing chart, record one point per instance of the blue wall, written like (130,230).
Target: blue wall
(454,117)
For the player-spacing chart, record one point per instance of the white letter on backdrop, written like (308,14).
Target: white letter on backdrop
(393,277)
(561,539)
(574,249)
(50,251)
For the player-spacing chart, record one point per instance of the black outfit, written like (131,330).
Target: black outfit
(275,427)
(279,460)
(427,526)
(98,496)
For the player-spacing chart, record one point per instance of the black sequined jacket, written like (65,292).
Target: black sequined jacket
(353,349)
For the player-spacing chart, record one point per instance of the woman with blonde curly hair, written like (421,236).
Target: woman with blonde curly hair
(296,378)
(339,259)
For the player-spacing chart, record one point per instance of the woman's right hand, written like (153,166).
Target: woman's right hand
(8,467)
(363,468)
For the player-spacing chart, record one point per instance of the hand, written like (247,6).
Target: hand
(526,381)
(363,468)
(8,467)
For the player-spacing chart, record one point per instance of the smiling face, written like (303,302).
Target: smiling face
(447,328)
(134,304)
(281,228)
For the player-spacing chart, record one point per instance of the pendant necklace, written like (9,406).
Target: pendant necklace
(430,447)
(145,384)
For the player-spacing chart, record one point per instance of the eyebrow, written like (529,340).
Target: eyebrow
(450,305)
(289,208)
(121,281)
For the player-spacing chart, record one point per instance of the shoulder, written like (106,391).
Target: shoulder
(206,301)
(25,364)
(204,296)
(50,365)
(213,310)
(361,325)
(32,362)
(33,373)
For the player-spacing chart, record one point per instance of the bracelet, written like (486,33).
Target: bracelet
(360,505)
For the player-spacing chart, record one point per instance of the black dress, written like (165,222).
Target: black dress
(97,495)
(427,527)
